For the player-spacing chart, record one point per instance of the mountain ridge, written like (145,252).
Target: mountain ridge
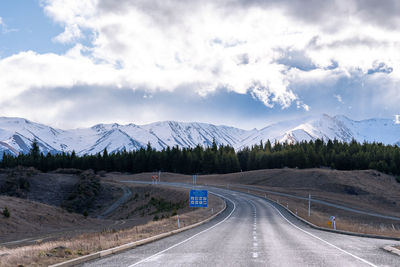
(17,134)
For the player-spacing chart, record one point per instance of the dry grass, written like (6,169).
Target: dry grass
(43,254)
(30,217)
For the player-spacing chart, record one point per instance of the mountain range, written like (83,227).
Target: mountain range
(17,134)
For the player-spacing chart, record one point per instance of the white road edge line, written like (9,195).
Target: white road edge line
(184,241)
(326,242)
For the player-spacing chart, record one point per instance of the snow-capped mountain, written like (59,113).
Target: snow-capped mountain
(17,134)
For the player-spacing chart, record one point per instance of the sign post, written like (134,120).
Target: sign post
(198,198)
(154,179)
(309,205)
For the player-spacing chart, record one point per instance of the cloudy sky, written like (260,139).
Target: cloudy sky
(245,63)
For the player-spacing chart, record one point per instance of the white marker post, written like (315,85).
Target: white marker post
(333,222)
(179,225)
(309,205)
(159,176)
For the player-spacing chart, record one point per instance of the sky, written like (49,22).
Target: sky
(243,63)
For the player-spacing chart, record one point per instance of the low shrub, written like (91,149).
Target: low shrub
(83,194)
(68,171)
(15,186)
(6,212)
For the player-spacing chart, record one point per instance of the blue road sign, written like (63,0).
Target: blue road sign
(198,198)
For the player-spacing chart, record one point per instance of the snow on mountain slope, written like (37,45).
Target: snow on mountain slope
(273,132)
(17,135)
(324,127)
(113,140)
(345,129)
(373,130)
(192,134)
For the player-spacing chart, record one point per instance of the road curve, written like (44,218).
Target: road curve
(255,232)
(319,201)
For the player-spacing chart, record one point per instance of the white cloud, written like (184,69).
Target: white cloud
(4,28)
(397,119)
(301,105)
(339,98)
(28,70)
(190,51)
(207,45)
(71,33)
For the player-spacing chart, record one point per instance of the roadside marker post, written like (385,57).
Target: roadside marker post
(159,176)
(332,222)
(309,205)
(179,225)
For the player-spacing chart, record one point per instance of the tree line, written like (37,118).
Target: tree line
(222,159)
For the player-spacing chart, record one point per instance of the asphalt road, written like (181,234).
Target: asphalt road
(254,232)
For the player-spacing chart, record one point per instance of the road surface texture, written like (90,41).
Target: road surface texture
(255,232)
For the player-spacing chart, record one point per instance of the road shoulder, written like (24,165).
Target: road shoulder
(392,250)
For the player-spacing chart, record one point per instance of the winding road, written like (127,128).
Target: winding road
(255,232)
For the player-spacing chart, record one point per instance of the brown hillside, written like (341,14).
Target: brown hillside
(29,218)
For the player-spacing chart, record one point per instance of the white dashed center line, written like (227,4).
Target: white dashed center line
(254,252)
